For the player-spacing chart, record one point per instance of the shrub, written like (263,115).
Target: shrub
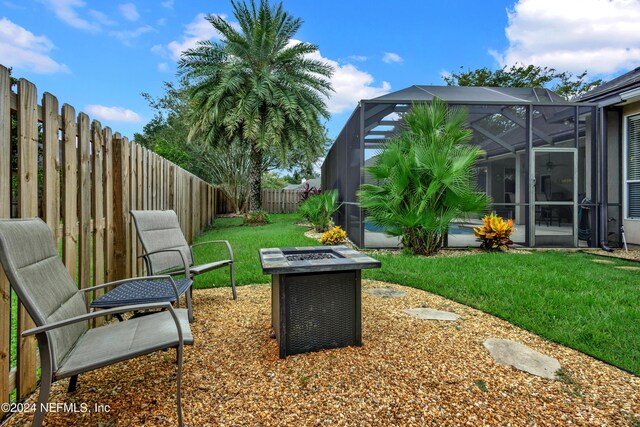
(256,218)
(495,233)
(424,178)
(308,191)
(335,236)
(318,209)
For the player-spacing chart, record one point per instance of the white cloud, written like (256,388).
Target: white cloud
(128,36)
(73,13)
(159,50)
(101,17)
(66,11)
(167,4)
(350,84)
(390,57)
(113,114)
(129,11)
(22,49)
(600,36)
(197,30)
(163,67)
(358,58)
(160,22)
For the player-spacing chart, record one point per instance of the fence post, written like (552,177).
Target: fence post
(84,201)
(108,204)
(27,208)
(51,164)
(70,190)
(5,212)
(120,170)
(97,207)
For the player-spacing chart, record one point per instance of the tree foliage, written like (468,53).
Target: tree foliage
(425,178)
(258,87)
(564,83)
(225,165)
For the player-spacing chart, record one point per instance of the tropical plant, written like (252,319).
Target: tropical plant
(334,236)
(318,209)
(308,191)
(425,178)
(495,233)
(259,86)
(257,218)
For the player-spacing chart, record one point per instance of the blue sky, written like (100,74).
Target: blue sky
(100,55)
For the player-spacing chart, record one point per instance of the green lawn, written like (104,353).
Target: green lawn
(564,297)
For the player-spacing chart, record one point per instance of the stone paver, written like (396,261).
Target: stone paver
(602,261)
(521,357)
(385,292)
(626,267)
(431,314)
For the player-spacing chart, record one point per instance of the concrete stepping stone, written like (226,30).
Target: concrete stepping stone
(602,261)
(431,314)
(385,292)
(629,268)
(521,357)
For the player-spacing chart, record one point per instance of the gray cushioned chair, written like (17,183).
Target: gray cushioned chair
(68,346)
(166,250)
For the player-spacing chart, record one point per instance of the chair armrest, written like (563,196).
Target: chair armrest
(185,263)
(94,314)
(226,242)
(136,279)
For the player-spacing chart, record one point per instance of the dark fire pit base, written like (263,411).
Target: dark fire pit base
(315,296)
(316,311)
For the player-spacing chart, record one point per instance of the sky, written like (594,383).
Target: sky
(99,56)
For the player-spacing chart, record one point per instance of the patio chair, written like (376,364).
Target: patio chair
(68,347)
(166,250)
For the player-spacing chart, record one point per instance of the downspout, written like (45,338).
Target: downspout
(604,196)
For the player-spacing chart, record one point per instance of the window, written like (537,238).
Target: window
(633,166)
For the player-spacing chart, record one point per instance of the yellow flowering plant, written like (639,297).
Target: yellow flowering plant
(335,236)
(495,233)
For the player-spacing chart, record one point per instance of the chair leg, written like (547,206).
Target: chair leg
(43,398)
(189,305)
(179,384)
(233,281)
(73,384)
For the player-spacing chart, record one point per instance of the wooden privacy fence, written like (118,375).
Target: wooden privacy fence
(82,179)
(280,201)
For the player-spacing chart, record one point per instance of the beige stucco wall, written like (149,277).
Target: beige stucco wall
(631,226)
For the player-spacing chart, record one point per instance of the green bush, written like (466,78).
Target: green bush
(318,209)
(256,218)
(425,178)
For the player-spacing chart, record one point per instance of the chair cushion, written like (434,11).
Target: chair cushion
(142,292)
(199,269)
(120,341)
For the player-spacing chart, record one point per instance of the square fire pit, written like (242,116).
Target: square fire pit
(315,296)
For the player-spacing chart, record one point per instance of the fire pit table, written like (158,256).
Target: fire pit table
(315,296)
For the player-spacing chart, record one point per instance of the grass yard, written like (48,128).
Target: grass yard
(562,296)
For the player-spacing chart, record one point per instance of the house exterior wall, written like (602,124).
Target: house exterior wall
(631,226)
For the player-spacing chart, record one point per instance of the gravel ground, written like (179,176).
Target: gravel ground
(409,372)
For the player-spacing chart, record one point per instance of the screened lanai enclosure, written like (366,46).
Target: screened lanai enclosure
(539,167)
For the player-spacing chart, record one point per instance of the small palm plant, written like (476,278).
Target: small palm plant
(425,178)
(318,209)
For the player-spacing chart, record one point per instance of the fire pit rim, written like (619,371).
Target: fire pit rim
(274,260)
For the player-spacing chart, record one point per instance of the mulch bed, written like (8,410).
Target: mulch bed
(409,372)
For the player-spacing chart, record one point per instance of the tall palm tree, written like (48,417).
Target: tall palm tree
(425,178)
(258,85)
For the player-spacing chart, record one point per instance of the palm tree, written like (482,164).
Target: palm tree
(425,178)
(258,85)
